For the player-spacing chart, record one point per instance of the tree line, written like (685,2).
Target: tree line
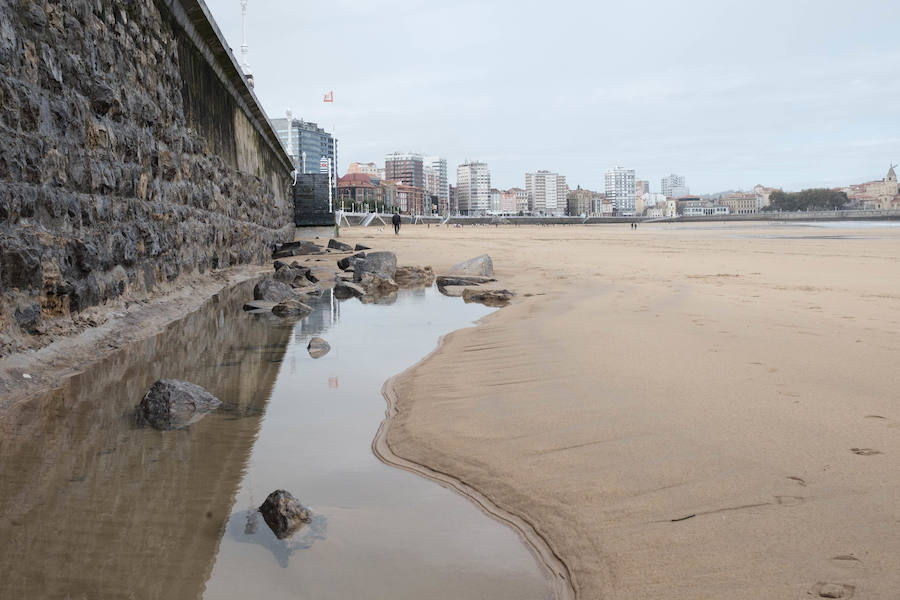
(812,199)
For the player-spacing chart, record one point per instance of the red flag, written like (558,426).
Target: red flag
(329,97)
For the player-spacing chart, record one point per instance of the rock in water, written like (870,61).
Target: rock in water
(487,297)
(480,265)
(381,264)
(336,245)
(283,513)
(414,276)
(318,347)
(173,404)
(273,291)
(347,289)
(377,286)
(291,308)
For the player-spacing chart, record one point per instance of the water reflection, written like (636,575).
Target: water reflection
(93,507)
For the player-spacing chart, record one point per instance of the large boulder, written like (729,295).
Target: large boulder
(487,297)
(414,276)
(336,245)
(381,264)
(480,265)
(291,308)
(318,347)
(273,291)
(283,513)
(173,404)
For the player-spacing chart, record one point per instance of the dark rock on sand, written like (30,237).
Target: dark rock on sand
(318,347)
(348,289)
(344,263)
(336,245)
(273,291)
(298,248)
(280,264)
(291,308)
(460,280)
(480,265)
(414,276)
(283,513)
(359,247)
(487,297)
(173,404)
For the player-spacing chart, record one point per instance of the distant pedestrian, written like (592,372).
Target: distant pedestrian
(396,221)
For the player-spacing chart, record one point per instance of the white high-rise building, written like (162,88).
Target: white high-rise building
(546,193)
(673,186)
(620,189)
(473,188)
(439,166)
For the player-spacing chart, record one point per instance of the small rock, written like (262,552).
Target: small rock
(359,247)
(280,264)
(480,265)
(344,263)
(283,513)
(318,347)
(291,308)
(336,245)
(488,297)
(173,404)
(348,289)
(312,278)
(451,280)
(26,376)
(273,291)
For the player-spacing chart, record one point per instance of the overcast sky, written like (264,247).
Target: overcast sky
(790,93)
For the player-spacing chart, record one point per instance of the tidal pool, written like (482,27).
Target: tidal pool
(94,506)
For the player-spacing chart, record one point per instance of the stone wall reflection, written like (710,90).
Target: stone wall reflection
(92,506)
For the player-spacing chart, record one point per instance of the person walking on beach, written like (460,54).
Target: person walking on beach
(396,221)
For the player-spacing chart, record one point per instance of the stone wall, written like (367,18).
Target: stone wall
(131,152)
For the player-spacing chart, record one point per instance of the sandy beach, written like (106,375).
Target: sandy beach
(683,411)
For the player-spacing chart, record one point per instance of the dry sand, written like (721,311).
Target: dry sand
(675,410)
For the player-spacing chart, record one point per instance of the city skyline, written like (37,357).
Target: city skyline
(793,105)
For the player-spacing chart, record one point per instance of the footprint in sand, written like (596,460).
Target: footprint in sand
(824,589)
(799,480)
(789,500)
(865,451)
(846,558)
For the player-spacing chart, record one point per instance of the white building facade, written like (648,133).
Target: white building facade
(546,193)
(473,188)
(439,167)
(620,189)
(673,186)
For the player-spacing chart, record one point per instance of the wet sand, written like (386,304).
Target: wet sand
(704,411)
